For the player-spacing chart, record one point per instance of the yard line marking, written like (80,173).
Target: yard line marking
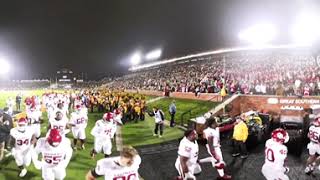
(155,99)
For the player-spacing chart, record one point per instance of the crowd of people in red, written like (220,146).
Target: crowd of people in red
(259,73)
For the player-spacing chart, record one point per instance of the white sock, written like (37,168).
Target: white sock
(206,160)
(220,172)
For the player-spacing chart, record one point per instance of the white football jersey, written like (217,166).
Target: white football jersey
(112,170)
(79,120)
(60,125)
(314,134)
(275,154)
(188,149)
(53,156)
(22,139)
(104,129)
(64,111)
(213,133)
(34,116)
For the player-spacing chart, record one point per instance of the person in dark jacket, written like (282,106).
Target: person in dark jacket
(7,119)
(18,102)
(172,111)
(4,134)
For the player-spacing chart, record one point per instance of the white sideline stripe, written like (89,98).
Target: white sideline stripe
(222,105)
(155,99)
(119,142)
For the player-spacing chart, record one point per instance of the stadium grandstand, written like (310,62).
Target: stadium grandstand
(282,70)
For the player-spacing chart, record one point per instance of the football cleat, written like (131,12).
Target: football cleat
(23,172)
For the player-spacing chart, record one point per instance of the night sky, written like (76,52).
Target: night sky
(97,37)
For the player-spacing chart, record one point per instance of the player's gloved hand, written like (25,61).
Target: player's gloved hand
(189,176)
(286,169)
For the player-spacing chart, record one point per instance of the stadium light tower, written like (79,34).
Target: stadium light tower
(136,58)
(5,66)
(153,55)
(259,34)
(306,29)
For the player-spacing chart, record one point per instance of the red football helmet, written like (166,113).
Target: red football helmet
(32,107)
(22,122)
(107,117)
(78,107)
(316,121)
(117,111)
(54,138)
(28,101)
(280,135)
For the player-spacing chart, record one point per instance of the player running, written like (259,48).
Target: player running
(59,122)
(78,121)
(123,167)
(56,153)
(275,156)
(103,132)
(34,118)
(314,146)
(212,134)
(24,139)
(186,163)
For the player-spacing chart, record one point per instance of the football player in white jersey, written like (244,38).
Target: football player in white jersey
(186,163)
(24,139)
(60,107)
(314,146)
(275,155)
(10,103)
(103,132)
(34,118)
(59,122)
(123,167)
(78,123)
(56,153)
(117,116)
(212,135)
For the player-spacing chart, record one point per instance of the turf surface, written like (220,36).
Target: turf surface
(186,109)
(135,134)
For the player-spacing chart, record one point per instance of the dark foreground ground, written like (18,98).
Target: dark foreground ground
(158,163)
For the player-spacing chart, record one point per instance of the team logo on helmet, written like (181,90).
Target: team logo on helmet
(54,138)
(107,117)
(280,135)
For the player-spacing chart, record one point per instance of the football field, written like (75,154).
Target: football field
(134,134)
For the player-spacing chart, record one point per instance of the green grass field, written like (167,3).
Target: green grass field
(186,109)
(135,134)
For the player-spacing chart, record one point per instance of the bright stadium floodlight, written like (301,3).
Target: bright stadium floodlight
(136,58)
(258,34)
(5,67)
(153,55)
(306,29)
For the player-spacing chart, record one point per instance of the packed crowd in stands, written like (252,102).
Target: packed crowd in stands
(282,74)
